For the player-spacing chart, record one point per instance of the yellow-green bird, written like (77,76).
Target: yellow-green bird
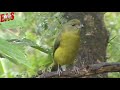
(67,44)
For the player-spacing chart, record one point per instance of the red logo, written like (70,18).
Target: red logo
(6,17)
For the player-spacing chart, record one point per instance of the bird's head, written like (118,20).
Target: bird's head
(73,24)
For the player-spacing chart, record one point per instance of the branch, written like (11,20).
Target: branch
(85,71)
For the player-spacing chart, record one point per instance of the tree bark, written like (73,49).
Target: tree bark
(85,71)
(94,37)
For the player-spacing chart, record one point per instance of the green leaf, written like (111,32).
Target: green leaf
(13,53)
(28,42)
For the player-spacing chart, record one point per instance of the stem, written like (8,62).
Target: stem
(4,66)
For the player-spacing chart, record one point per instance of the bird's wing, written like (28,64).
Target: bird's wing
(57,43)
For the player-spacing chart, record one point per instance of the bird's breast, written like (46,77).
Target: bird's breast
(69,46)
(70,39)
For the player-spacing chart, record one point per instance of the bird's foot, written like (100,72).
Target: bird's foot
(75,69)
(85,70)
(59,72)
(98,61)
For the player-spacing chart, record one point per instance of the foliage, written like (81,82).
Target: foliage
(26,43)
(112,21)
(31,33)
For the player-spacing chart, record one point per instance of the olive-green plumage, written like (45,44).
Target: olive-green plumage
(67,43)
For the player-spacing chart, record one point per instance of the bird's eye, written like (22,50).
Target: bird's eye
(73,25)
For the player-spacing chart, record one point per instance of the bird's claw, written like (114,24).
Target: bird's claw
(59,72)
(85,70)
(75,69)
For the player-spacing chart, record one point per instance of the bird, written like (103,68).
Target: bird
(67,44)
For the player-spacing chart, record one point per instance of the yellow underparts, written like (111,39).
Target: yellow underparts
(68,49)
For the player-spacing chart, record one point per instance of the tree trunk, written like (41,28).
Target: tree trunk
(94,37)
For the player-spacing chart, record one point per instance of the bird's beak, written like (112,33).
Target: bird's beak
(81,25)
(78,26)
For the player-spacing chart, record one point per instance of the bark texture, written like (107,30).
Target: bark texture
(90,70)
(94,37)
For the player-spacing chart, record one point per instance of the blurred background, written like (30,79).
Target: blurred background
(33,34)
